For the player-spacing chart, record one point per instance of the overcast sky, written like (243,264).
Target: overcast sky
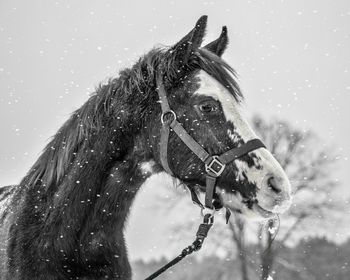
(292,56)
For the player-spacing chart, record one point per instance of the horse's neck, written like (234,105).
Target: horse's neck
(123,182)
(101,174)
(86,217)
(105,224)
(83,208)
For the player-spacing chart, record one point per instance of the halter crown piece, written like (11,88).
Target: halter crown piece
(214,164)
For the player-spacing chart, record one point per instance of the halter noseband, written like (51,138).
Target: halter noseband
(214,165)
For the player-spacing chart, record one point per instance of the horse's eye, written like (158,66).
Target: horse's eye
(207,107)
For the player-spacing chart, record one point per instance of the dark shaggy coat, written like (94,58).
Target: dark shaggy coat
(65,220)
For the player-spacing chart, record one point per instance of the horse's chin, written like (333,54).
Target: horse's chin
(235,203)
(263,213)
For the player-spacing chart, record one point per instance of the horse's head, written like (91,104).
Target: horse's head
(201,89)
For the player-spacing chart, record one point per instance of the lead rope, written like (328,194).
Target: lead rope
(196,245)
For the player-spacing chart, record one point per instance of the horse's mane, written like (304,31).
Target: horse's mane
(127,94)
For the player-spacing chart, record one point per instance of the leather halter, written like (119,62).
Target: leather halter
(214,164)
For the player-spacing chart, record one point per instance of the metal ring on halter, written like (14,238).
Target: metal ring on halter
(206,210)
(165,113)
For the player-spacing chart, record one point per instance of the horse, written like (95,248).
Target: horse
(66,218)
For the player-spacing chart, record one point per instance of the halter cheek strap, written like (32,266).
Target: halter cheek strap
(214,165)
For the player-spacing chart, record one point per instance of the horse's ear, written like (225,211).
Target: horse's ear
(190,43)
(219,45)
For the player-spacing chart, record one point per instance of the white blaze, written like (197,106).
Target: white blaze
(270,167)
(211,87)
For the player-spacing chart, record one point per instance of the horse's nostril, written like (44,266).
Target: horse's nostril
(272,185)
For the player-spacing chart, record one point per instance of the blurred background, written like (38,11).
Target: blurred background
(293,61)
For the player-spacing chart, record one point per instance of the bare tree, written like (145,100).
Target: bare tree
(237,226)
(308,165)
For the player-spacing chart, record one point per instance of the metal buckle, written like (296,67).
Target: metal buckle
(215,166)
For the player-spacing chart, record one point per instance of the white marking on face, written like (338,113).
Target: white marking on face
(147,167)
(269,167)
(234,202)
(253,175)
(211,87)
(233,136)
